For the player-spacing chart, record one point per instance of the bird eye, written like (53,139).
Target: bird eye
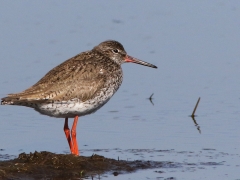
(115,50)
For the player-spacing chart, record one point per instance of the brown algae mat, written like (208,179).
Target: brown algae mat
(45,164)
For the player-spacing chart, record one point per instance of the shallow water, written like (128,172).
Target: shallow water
(196,48)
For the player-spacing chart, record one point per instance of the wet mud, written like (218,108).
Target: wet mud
(52,166)
(47,165)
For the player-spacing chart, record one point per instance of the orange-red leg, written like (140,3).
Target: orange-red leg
(74,136)
(72,139)
(67,133)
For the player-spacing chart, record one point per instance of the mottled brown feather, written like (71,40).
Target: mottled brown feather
(78,77)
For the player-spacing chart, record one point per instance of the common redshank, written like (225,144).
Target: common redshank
(77,87)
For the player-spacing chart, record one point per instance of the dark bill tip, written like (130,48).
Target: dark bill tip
(137,61)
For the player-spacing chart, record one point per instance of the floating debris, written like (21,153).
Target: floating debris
(150,99)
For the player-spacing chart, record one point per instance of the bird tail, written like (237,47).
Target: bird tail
(17,99)
(9,101)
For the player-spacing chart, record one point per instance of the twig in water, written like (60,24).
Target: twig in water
(193,113)
(150,98)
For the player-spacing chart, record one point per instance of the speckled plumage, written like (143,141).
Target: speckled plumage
(79,86)
(86,82)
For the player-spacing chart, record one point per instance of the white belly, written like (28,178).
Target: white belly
(74,107)
(67,109)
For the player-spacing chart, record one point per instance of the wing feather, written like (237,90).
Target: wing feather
(78,77)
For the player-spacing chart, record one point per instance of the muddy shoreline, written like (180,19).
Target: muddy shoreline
(45,164)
